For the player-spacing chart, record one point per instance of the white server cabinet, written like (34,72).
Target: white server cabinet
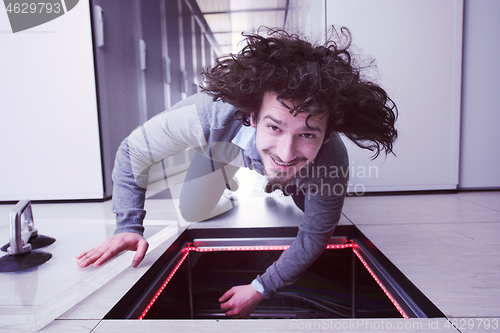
(417,45)
(480,137)
(73,88)
(49,129)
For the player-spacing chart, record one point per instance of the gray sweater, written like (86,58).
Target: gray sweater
(198,122)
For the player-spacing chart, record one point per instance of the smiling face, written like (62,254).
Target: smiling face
(284,141)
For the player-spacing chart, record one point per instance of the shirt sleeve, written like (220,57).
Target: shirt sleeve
(323,207)
(164,135)
(258,287)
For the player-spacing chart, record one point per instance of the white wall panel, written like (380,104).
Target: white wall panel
(307,18)
(480,137)
(49,134)
(417,46)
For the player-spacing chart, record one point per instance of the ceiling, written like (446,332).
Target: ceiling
(229,18)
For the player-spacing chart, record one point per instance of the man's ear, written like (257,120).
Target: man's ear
(253,121)
(327,137)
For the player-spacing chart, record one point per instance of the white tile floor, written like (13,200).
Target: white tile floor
(451,250)
(446,244)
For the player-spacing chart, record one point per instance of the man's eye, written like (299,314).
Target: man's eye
(308,135)
(274,128)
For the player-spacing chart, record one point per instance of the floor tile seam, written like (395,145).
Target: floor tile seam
(419,223)
(473,316)
(49,219)
(21,307)
(348,219)
(96,325)
(99,320)
(449,319)
(66,215)
(480,205)
(451,230)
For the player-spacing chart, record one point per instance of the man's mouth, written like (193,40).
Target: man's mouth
(282,166)
(281,163)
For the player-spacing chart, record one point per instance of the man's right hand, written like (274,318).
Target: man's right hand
(113,246)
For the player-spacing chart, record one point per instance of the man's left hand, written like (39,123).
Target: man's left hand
(240,301)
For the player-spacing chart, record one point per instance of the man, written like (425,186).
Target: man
(277,108)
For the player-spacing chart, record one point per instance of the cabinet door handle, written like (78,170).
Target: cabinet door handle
(142,54)
(99,26)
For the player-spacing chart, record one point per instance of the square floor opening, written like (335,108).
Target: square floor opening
(351,279)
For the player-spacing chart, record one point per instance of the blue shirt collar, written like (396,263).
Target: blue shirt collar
(245,139)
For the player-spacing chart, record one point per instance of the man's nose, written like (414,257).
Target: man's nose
(286,149)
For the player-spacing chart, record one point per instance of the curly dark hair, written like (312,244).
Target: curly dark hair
(317,78)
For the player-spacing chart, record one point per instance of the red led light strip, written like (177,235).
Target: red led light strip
(241,248)
(189,248)
(387,293)
(165,283)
